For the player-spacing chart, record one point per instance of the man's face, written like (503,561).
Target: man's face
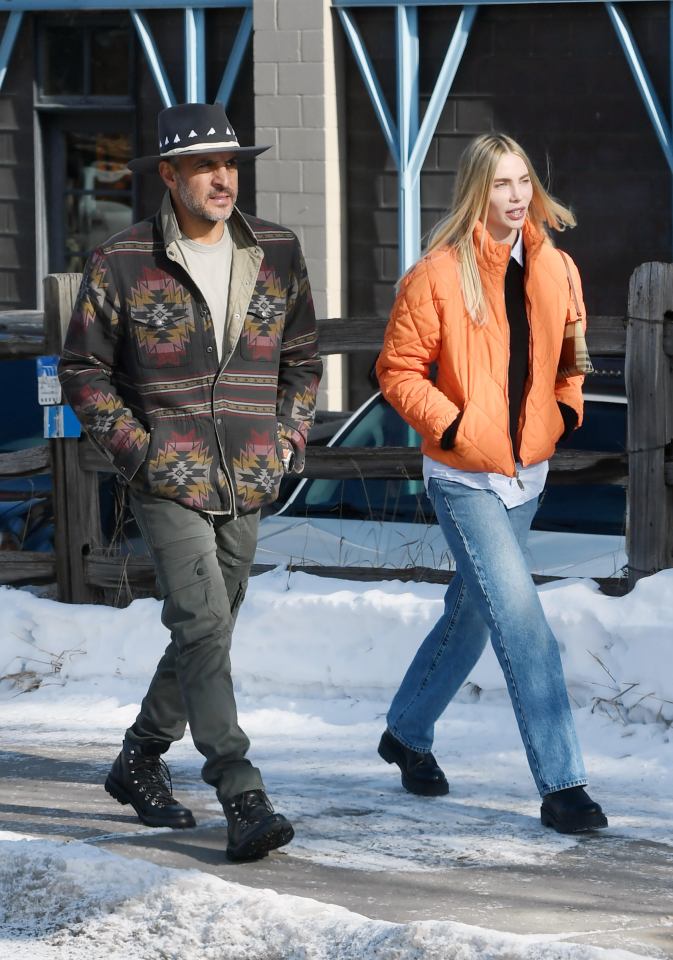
(204,187)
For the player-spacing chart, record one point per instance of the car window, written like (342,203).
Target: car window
(579,508)
(395,500)
(596,507)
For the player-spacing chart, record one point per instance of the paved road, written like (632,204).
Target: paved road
(605,891)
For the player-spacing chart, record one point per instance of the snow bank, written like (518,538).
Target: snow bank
(310,637)
(66,900)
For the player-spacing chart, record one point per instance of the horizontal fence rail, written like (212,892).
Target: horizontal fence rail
(22,335)
(19,567)
(383,463)
(116,573)
(606,336)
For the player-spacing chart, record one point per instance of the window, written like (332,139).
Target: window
(85,60)
(85,88)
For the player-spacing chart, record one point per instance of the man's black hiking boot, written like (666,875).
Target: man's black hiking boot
(254,827)
(142,779)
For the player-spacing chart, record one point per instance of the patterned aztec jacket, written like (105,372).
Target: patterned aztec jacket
(140,364)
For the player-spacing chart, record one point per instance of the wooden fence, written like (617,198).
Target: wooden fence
(86,572)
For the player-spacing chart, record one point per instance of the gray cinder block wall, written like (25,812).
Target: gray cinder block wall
(300,180)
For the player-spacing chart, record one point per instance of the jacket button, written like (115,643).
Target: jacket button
(209,349)
(237,316)
(219,422)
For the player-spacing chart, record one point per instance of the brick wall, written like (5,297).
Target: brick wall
(299,180)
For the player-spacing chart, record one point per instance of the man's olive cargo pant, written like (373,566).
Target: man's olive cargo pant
(202,565)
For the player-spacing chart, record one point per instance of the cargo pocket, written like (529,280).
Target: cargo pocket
(191,610)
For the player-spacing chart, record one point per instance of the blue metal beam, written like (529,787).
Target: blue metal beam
(153,59)
(442,88)
(453,3)
(7,44)
(662,127)
(409,187)
(408,146)
(45,6)
(195,55)
(372,84)
(235,59)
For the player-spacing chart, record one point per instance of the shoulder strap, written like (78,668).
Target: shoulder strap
(572,286)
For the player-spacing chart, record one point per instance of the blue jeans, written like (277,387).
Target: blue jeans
(492,594)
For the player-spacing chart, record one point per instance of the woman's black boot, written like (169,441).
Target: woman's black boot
(421,774)
(571,811)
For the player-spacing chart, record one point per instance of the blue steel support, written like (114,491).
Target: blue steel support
(656,114)
(408,146)
(45,6)
(153,59)
(7,44)
(235,59)
(372,84)
(195,55)
(409,187)
(447,74)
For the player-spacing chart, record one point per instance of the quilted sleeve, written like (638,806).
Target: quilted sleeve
(411,344)
(86,371)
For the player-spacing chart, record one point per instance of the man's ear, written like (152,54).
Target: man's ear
(167,173)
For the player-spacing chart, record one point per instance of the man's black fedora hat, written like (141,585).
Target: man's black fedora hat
(193,128)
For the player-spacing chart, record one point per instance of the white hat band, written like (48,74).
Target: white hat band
(203,147)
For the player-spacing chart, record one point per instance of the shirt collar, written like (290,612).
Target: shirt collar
(517,249)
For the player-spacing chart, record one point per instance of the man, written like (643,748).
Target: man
(191,361)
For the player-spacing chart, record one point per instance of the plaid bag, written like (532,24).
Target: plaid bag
(574,359)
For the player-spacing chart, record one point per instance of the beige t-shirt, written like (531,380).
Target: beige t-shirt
(209,266)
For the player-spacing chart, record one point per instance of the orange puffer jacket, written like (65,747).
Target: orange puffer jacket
(429,323)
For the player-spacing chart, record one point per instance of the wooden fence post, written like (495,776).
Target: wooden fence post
(76,502)
(649,388)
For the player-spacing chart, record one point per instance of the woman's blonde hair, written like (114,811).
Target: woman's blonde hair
(474,181)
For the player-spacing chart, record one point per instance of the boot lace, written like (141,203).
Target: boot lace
(153,779)
(249,807)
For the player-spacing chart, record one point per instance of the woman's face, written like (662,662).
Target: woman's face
(511,194)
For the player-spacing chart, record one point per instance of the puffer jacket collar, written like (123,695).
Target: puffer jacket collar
(493,257)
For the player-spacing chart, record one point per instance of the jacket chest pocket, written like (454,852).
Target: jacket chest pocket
(163,335)
(262,330)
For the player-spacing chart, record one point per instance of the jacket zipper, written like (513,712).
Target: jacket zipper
(529,383)
(517,476)
(225,469)
(203,310)
(509,346)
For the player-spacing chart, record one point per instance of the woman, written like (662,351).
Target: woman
(487,305)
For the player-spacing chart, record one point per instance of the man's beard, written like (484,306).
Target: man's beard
(199,209)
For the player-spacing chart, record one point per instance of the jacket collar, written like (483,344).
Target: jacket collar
(242,233)
(494,257)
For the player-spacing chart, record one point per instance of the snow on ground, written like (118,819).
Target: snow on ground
(65,900)
(316,662)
